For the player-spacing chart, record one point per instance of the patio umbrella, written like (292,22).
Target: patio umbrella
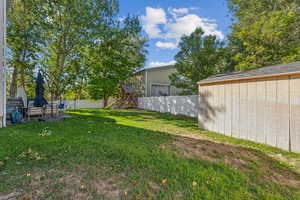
(39,100)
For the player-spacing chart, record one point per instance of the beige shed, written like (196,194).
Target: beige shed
(261,105)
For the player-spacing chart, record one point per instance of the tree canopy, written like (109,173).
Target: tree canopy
(76,44)
(199,57)
(264,32)
(115,58)
(84,49)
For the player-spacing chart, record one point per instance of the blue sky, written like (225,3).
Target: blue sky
(165,21)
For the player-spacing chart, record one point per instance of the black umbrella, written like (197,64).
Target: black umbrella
(39,100)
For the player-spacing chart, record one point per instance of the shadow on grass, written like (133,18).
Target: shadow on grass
(191,124)
(141,115)
(251,161)
(146,157)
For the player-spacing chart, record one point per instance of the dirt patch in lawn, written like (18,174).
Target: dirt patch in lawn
(249,161)
(63,184)
(108,188)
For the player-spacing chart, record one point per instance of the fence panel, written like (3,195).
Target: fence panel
(84,104)
(177,105)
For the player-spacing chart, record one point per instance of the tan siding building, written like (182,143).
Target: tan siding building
(261,105)
(155,82)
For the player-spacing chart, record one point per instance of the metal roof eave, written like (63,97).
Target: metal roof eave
(248,78)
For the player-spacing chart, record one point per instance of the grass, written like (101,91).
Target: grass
(131,154)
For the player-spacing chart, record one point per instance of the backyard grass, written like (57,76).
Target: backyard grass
(131,154)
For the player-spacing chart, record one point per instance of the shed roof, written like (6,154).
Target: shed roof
(264,72)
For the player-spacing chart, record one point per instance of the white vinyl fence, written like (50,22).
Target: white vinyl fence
(83,104)
(177,105)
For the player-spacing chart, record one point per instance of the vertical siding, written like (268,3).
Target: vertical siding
(214,99)
(252,89)
(235,109)
(204,108)
(295,113)
(243,110)
(218,107)
(228,108)
(265,110)
(260,111)
(201,117)
(209,109)
(270,118)
(221,104)
(282,117)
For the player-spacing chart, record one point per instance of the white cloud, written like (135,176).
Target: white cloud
(153,18)
(187,24)
(173,28)
(166,45)
(180,10)
(158,64)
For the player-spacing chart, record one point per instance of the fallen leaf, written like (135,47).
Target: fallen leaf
(194,183)
(164,181)
(26,197)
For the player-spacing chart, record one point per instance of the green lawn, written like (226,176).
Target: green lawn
(130,154)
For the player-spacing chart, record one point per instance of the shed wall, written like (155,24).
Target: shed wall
(263,110)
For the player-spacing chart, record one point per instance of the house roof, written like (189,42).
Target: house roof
(156,68)
(264,72)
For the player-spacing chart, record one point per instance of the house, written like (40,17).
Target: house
(261,105)
(2,63)
(155,81)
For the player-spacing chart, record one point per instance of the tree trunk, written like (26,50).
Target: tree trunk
(105,101)
(22,71)
(13,85)
(52,99)
(22,80)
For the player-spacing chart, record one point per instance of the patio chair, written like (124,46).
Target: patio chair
(51,109)
(13,105)
(34,112)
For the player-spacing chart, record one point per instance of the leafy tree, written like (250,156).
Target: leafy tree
(77,71)
(24,37)
(114,57)
(69,27)
(199,57)
(265,32)
(73,40)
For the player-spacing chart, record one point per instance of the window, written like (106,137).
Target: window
(160,90)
